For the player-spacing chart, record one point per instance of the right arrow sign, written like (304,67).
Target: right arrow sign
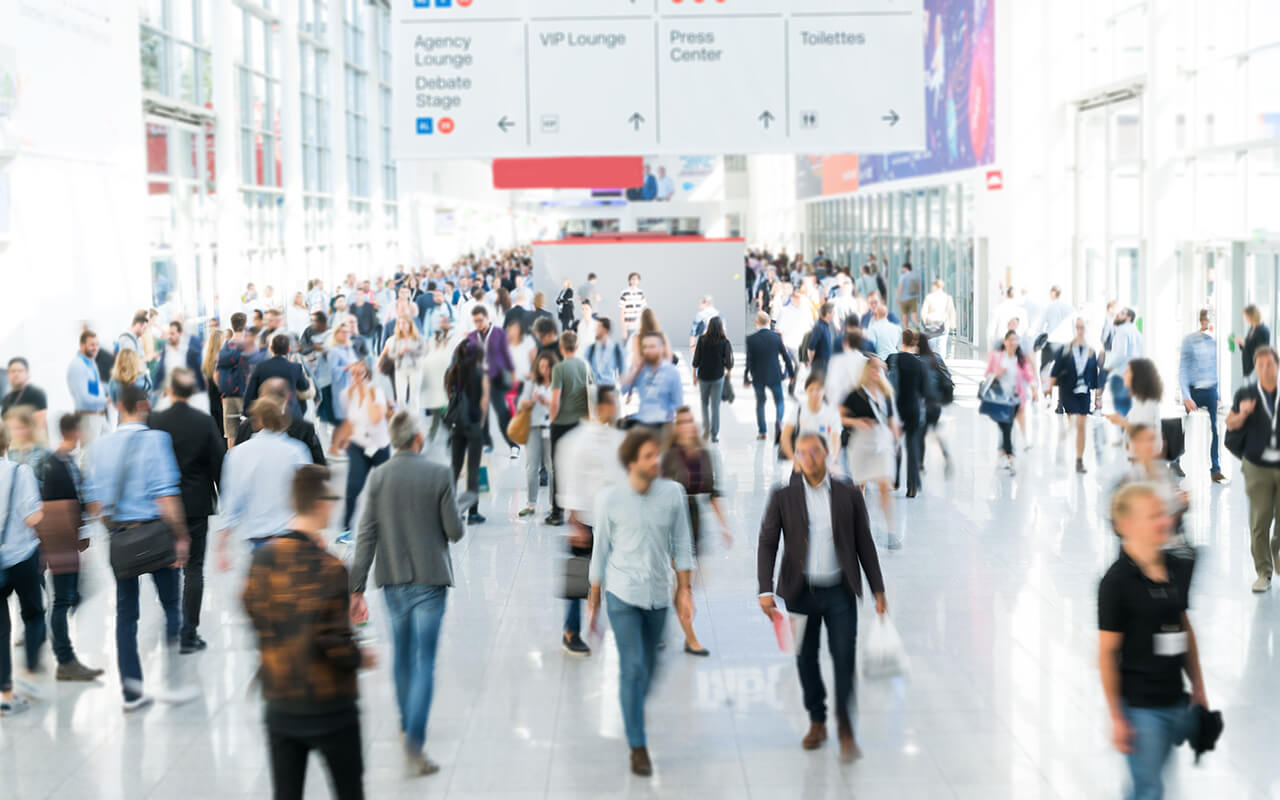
(891,118)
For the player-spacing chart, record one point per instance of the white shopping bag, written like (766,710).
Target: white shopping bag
(882,653)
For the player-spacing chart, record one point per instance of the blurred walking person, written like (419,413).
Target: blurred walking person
(1076,375)
(712,365)
(536,399)
(826,534)
(1253,425)
(642,529)
(20,566)
(410,517)
(869,414)
(468,390)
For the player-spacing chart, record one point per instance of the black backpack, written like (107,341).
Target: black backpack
(942,387)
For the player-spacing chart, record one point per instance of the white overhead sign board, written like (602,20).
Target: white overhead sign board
(491,78)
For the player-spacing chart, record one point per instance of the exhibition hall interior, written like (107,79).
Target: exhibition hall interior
(566,399)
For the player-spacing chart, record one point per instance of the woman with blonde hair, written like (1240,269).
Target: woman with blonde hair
(871,416)
(209,368)
(408,350)
(24,441)
(128,369)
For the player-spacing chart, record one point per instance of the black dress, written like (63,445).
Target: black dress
(1255,338)
(1068,379)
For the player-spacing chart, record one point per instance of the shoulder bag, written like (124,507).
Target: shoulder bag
(4,531)
(1234,441)
(519,427)
(577,582)
(995,403)
(139,547)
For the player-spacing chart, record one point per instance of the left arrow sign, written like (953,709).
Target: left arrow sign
(505,124)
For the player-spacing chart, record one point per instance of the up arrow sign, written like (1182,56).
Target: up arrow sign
(766,117)
(635,119)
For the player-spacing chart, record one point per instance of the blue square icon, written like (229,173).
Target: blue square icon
(425,125)
(422,3)
(444,3)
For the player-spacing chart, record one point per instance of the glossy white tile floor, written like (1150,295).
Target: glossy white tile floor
(994,593)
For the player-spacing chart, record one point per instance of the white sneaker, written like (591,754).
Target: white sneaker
(417,765)
(141,701)
(1012,469)
(515,453)
(15,706)
(1261,585)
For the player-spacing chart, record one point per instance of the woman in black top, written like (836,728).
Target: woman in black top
(468,412)
(1256,337)
(1145,640)
(712,362)
(939,391)
(564,301)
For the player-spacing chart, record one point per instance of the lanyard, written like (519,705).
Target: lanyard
(1271,411)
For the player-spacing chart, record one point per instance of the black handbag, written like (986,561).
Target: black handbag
(577,582)
(138,548)
(726,391)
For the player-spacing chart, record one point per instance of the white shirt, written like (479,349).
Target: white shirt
(1126,345)
(369,435)
(844,372)
(825,421)
(173,358)
(586,465)
(1147,412)
(822,567)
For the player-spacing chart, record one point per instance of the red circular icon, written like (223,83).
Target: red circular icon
(464,3)
(445,125)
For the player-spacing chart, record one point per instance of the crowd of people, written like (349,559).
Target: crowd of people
(241,417)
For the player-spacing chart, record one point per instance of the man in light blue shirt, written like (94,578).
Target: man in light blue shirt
(1126,345)
(604,355)
(341,356)
(257,480)
(641,528)
(657,383)
(88,390)
(1198,375)
(24,575)
(883,334)
(133,478)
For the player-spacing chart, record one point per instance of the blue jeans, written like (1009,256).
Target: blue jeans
(1156,731)
(416,614)
(1120,399)
(638,631)
(25,580)
(1208,399)
(834,606)
(167,582)
(778,406)
(66,596)
(359,465)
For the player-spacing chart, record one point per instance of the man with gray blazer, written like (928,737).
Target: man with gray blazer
(410,516)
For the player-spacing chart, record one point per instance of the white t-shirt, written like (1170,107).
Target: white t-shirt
(365,433)
(1147,412)
(824,421)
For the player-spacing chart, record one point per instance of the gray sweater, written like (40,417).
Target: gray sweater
(410,516)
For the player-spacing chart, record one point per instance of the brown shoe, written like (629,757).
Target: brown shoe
(815,737)
(640,763)
(1218,477)
(848,747)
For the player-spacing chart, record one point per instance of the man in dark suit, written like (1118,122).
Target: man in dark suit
(766,358)
(298,427)
(198,449)
(824,523)
(278,366)
(173,351)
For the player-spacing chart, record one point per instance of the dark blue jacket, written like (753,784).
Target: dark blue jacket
(193,363)
(764,349)
(277,367)
(821,341)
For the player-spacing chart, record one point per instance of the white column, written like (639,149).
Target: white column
(230,208)
(1160,193)
(377,211)
(293,275)
(338,138)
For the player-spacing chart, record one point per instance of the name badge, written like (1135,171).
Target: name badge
(1170,644)
(1271,454)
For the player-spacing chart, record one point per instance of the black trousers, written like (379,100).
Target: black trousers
(342,753)
(467,444)
(557,432)
(1006,437)
(193,576)
(834,607)
(498,389)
